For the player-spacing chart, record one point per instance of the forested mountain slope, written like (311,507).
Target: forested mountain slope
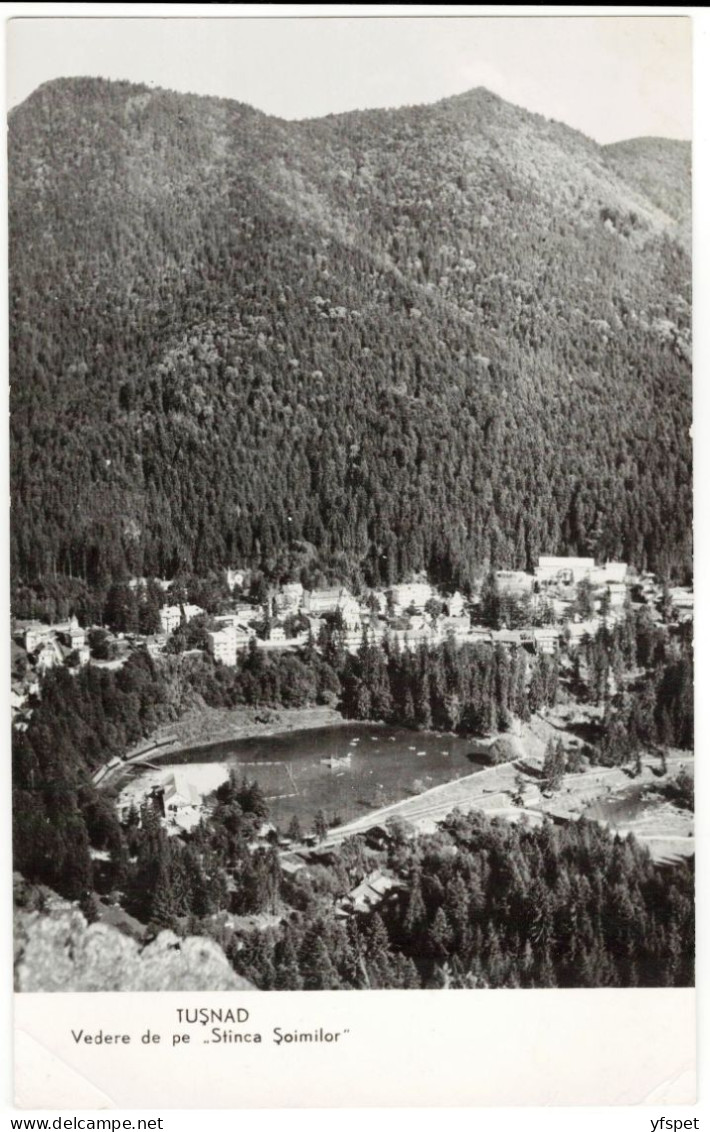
(660,168)
(433,337)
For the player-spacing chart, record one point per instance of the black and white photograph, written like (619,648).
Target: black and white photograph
(351,503)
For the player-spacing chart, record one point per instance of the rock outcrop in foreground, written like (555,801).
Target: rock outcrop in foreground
(59,951)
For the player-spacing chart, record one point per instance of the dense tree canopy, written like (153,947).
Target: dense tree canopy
(438,337)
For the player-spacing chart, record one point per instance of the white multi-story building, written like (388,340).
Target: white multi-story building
(617,595)
(455,605)
(171,616)
(224,644)
(50,655)
(317,602)
(76,637)
(564,571)
(35,635)
(546,639)
(410,639)
(409,594)
(614,573)
(351,614)
(681,597)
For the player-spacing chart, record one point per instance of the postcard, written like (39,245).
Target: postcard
(351,559)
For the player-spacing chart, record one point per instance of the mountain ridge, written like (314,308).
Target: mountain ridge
(410,339)
(470,94)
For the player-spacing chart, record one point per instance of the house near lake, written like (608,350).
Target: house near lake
(178,800)
(375,889)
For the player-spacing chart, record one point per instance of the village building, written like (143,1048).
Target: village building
(223,645)
(380,597)
(192,611)
(480,635)
(457,627)
(507,637)
(546,640)
(232,623)
(155,644)
(178,800)
(417,621)
(352,639)
(681,597)
(318,602)
(577,631)
(514,583)
(234,577)
(370,894)
(351,614)
(614,573)
(35,633)
(411,595)
(49,655)
(410,639)
(292,865)
(71,634)
(51,645)
(560,814)
(553,570)
(289,599)
(171,616)
(455,605)
(617,595)
(247,615)
(18,701)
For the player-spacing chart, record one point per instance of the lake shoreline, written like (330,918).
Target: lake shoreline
(288,755)
(207,734)
(206,728)
(226,725)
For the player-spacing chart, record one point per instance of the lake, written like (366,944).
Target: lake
(623,808)
(384,765)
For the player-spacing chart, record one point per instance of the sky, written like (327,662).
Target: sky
(612,77)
